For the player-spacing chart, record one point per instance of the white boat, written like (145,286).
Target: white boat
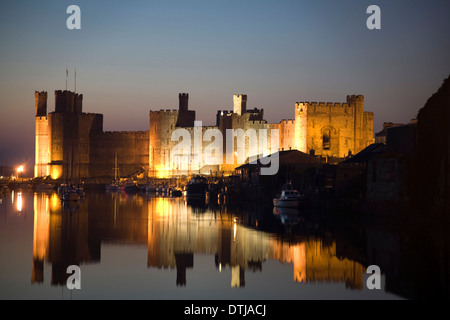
(289,198)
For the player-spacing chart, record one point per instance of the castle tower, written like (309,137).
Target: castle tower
(301,126)
(183,100)
(186,117)
(239,103)
(41,135)
(78,103)
(357,102)
(41,103)
(68,102)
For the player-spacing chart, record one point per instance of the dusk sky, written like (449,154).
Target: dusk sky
(136,56)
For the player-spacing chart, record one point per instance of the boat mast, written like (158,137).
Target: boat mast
(116,168)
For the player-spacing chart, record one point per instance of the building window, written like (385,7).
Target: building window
(326,139)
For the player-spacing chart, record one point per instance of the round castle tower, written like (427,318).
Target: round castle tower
(301,126)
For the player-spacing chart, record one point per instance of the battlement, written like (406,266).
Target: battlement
(91,114)
(115,133)
(368,114)
(68,101)
(239,103)
(224,113)
(183,101)
(258,121)
(315,104)
(41,103)
(287,121)
(163,112)
(209,127)
(255,110)
(83,114)
(355,98)
(243,97)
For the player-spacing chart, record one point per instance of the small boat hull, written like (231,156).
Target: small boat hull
(70,196)
(286,203)
(197,188)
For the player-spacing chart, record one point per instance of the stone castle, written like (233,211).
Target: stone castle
(71,144)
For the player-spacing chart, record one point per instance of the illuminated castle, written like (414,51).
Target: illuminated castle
(71,144)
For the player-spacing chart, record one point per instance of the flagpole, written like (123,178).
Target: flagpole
(75,90)
(67,73)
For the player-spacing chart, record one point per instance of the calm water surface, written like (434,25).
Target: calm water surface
(148,247)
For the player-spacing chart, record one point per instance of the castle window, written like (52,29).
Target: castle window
(326,139)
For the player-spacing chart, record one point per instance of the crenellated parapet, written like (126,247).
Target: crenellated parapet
(41,103)
(68,102)
(183,101)
(353,99)
(112,133)
(239,103)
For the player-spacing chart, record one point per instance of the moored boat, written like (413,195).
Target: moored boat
(197,187)
(45,186)
(289,198)
(70,195)
(112,187)
(130,187)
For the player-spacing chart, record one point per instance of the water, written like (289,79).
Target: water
(148,247)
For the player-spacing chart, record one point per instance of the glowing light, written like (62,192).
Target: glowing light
(20,169)
(56,172)
(162,172)
(55,202)
(19,202)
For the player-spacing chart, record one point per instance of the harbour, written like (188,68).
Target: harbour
(168,242)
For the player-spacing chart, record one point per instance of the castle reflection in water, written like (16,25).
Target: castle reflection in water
(174,232)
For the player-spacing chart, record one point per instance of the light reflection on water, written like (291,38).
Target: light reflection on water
(136,246)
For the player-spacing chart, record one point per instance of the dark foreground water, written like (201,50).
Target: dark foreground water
(148,247)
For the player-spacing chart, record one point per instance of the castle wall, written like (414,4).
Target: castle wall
(334,129)
(162,124)
(131,149)
(70,143)
(286,134)
(42,151)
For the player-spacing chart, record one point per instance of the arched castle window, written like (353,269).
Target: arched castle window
(326,139)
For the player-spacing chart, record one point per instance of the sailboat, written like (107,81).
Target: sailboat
(114,186)
(67,192)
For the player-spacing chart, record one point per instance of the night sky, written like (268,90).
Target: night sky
(136,56)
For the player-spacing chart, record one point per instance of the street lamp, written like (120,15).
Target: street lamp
(19,170)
